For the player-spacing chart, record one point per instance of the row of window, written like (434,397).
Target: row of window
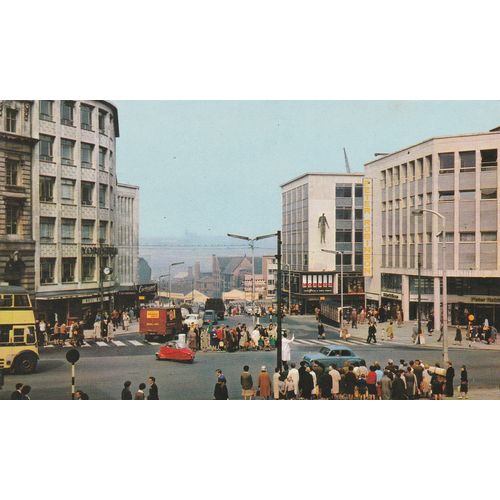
(346,213)
(68,192)
(345,191)
(68,269)
(68,114)
(464,236)
(67,231)
(46,145)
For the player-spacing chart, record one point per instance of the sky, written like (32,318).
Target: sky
(213,167)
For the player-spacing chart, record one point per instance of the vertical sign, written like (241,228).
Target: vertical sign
(320,281)
(315,280)
(367,227)
(304,281)
(309,281)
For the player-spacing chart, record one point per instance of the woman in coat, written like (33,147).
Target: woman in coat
(386,385)
(450,374)
(398,387)
(247,390)
(464,383)
(411,383)
(335,376)
(264,384)
(205,340)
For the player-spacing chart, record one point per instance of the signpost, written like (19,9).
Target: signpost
(72,356)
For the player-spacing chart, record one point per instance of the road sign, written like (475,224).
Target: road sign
(72,356)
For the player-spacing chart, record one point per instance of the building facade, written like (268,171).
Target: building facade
(17,246)
(74,210)
(322,211)
(455,176)
(269,272)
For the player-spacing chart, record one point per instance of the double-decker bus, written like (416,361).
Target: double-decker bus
(18,346)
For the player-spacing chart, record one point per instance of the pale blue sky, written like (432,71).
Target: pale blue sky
(216,166)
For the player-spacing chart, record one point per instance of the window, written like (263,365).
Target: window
(488,236)
(383,206)
(102,158)
(102,121)
(489,194)
(420,200)
(411,171)
(383,179)
(344,213)
(47,267)
(47,229)
(86,154)
(12,171)
(446,162)
(68,270)
(449,237)
(429,197)
(11,120)
(67,109)
(87,231)
(392,283)
(343,191)
(67,152)
(420,168)
(347,259)
(47,188)
(46,110)
(467,194)
(488,159)
(68,230)
(402,203)
(87,193)
(111,198)
(467,236)
(467,161)
(343,236)
(12,218)
(358,236)
(429,237)
(68,190)
(88,268)
(403,172)
(396,204)
(358,259)
(358,213)
(429,165)
(45,144)
(86,117)
(396,175)
(446,195)
(389,205)
(358,191)
(103,231)
(412,201)
(103,191)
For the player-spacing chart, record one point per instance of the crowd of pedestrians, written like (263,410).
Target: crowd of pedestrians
(406,381)
(140,394)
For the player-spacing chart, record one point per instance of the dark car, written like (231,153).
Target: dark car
(216,305)
(333,354)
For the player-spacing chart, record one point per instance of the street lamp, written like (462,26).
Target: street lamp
(420,211)
(251,243)
(341,253)
(170,278)
(287,267)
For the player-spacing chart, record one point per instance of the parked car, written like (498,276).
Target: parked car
(197,319)
(338,354)
(210,317)
(175,352)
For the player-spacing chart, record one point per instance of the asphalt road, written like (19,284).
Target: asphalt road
(102,369)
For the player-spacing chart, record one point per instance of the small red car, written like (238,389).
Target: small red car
(175,352)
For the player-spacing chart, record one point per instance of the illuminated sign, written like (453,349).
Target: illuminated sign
(367,228)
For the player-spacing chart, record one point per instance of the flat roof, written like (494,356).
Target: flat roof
(329,174)
(491,132)
(132,186)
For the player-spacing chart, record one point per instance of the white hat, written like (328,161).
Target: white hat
(262,368)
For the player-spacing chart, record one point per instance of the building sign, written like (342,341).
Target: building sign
(152,314)
(101,250)
(388,295)
(367,227)
(485,300)
(94,300)
(317,283)
(150,288)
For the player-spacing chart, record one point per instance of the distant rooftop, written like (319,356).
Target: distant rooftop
(328,174)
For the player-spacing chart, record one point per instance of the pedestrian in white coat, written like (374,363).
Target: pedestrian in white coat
(335,381)
(285,349)
(294,375)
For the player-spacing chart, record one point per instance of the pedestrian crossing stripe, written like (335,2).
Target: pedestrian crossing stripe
(85,344)
(151,343)
(118,343)
(102,344)
(135,342)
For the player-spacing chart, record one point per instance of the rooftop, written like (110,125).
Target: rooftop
(324,174)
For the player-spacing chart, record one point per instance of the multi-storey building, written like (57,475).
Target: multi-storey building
(74,192)
(17,247)
(269,272)
(322,211)
(127,242)
(457,177)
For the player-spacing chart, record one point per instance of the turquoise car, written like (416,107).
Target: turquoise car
(333,354)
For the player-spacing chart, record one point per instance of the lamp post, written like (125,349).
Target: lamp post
(251,244)
(287,267)
(159,284)
(418,212)
(341,253)
(170,278)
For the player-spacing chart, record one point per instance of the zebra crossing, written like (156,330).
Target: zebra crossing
(104,345)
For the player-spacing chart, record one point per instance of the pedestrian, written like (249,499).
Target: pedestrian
(390,330)
(450,374)
(80,334)
(372,330)
(335,376)
(126,394)
(153,389)
(97,329)
(220,390)
(205,340)
(139,395)
(104,329)
(321,330)
(411,383)
(350,382)
(276,384)
(371,383)
(441,333)
(398,387)
(247,390)
(386,385)
(264,384)
(325,386)
(399,317)
(464,383)
(125,321)
(17,395)
(25,390)
(295,376)
(290,388)
(458,335)
(354,318)
(285,349)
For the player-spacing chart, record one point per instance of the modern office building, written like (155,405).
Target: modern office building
(457,177)
(322,211)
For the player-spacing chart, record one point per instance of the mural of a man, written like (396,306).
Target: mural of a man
(14,269)
(323,224)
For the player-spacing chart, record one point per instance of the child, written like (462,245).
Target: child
(362,386)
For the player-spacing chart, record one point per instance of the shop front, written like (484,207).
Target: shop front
(481,307)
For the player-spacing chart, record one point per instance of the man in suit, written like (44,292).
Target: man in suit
(153,389)
(17,393)
(126,393)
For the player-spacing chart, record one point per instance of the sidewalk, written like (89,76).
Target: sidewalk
(133,328)
(402,336)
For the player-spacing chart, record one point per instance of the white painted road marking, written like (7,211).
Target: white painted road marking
(102,344)
(135,342)
(118,343)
